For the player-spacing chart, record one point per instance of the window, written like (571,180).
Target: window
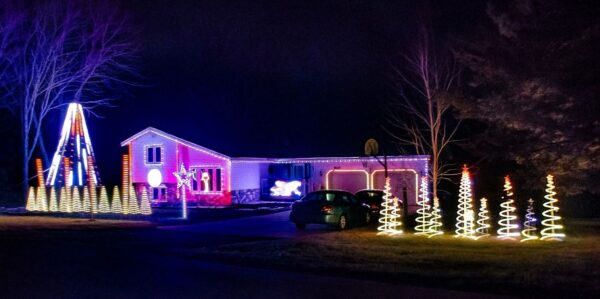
(208,180)
(154,154)
(159,193)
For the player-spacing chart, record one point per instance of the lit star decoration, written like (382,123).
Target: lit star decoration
(483,221)
(386,226)
(435,226)
(465,227)
(423,220)
(508,227)
(184,179)
(552,229)
(529,230)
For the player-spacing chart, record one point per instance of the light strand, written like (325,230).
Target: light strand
(508,229)
(552,229)
(465,227)
(424,215)
(483,219)
(529,226)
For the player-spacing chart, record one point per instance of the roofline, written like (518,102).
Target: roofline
(327,159)
(176,139)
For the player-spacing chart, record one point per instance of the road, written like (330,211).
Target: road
(151,263)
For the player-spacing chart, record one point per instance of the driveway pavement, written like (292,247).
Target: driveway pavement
(275,225)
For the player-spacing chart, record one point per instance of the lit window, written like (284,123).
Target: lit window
(207,180)
(159,193)
(153,154)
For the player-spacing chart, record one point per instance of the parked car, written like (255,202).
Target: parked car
(338,208)
(372,198)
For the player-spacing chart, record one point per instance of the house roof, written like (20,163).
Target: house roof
(176,139)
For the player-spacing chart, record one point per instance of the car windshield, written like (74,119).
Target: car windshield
(369,196)
(320,196)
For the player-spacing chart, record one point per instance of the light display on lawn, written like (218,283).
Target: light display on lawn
(64,204)
(386,217)
(75,144)
(145,208)
(465,226)
(86,203)
(424,216)
(40,195)
(483,221)
(53,206)
(76,201)
(552,230)
(529,227)
(184,179)
(115,206)
(435,226)
(508,228)
(125,181)
(31,204)
(133,206)
(103,206)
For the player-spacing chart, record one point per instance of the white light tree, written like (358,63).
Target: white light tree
(59,52)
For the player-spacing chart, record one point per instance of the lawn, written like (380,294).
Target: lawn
(14,223)
(536,269)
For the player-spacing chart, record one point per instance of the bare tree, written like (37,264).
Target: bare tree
(419,115)
(66,51)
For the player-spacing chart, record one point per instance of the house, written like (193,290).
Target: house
(221,180)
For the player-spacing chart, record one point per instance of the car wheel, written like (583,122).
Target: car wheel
(300,225)
(368,218)
(342,223)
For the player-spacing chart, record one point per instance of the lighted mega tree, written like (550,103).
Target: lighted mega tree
(423,218)
(530,229)
(508,229)
(483,219)
(465,227)
(387,225)
(75,145)
(552,230)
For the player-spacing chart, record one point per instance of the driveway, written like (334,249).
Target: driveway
(275,225)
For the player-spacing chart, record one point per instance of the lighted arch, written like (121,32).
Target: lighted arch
(346,170)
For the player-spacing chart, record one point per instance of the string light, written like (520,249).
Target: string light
(86,200)
(41,199)
(53,207)
(529,231)
(76,201)
(483,221)
(362,171)
(116,201)
(508,227)
(31,202)
(125,183)
(424,216)
(65,202)
(134,208)
(435,226)
(387,225)
(552,229)
(465,227)
(145,208)
(92,184)
(103,206)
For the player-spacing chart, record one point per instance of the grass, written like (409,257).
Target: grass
(527,269)
(13,223)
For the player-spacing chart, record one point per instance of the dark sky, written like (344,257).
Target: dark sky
(265,78)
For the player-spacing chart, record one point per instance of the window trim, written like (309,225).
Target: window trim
(198,174)
(153,146)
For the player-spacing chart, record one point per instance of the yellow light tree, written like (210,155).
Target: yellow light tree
(552,230)
(76,201)
(529,231)
(145,208)
(133,206)
(41,199)
(53,206)
(31,202)
(64,204)
(508,228)
(424,215)
(386,226)
(465,226)
(86,200)
(483,221)
(103,206)
(116,201)
(94,199)
(435,227)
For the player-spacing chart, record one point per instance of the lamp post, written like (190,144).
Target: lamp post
(184,179)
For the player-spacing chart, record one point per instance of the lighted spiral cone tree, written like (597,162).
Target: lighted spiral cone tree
(435,226)
(508,227)
(552,230)
(115,206)
(424,216)
(483,219)
(529,226)
(465,226)
(387,223)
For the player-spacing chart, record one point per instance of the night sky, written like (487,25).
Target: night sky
(264,79)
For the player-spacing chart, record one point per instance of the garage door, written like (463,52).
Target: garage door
(347,180)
